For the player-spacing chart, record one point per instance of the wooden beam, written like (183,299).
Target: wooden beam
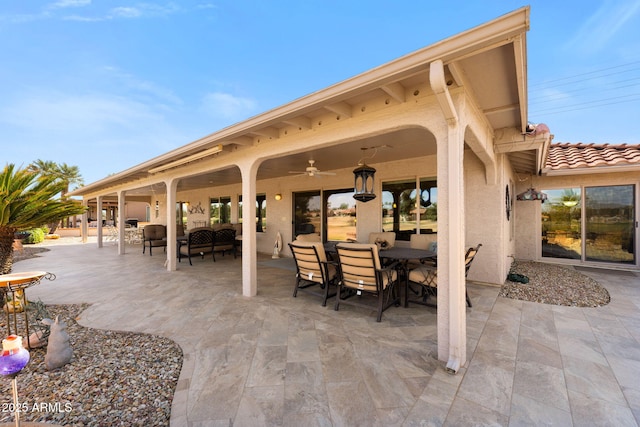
(269,132)
(395,90)
(301,122)
(341,108)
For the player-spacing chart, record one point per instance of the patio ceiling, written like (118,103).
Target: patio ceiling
(488,61)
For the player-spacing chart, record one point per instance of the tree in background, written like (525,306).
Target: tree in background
(69,175)
(29,199)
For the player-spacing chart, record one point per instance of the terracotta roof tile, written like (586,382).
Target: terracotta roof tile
(573,156)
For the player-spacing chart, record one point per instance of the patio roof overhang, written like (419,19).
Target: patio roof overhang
(488,62)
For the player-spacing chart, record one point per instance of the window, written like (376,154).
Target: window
(407,206)
(598,227)
(181,215)
(261,212)
(610,224)
(220,210)
(562,224)
(306,213)
(340,220)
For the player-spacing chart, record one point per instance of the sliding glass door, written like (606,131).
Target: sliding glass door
(610,224)
(595,224)
(307,215)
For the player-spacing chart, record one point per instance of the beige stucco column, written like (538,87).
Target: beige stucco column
(120,223)
(249,171)
(99,214)
(172,198)
(84,229)
(452,338)
(452,333)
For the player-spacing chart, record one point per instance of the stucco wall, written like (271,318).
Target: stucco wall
(485,217)
(486,222)
(528,227)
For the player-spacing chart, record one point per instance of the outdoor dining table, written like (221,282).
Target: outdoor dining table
(397,253)
(406,254)
(14,285)
(403,256)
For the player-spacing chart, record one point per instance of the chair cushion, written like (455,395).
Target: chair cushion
(422,241)
(311,237)
(359,267)
(309,264)
(425,276)
(195,249)
(154,232)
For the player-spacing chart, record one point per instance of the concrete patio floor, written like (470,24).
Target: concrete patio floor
(274,360)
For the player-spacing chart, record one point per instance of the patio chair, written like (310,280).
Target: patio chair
(199,241)
(428,242)
(224,240)
(313,270)
(426,280)
(361,273)
(154,235)
(310,237)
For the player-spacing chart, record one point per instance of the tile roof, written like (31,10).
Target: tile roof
(567,156)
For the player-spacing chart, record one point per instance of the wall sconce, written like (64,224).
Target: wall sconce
(363,183)
(278,196)
(157,205)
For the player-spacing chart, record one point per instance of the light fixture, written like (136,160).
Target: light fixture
(532,195)
(157,205)
(570,203)
(204,153)
(364,179)
(363,183)
(278,196)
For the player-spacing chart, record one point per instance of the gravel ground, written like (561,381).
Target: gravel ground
(114,379)
(553,284)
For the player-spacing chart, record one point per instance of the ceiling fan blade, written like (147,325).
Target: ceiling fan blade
(325,173)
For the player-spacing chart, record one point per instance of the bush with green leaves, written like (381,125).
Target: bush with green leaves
(35,235)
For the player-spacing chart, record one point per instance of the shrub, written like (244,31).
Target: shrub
(35,235)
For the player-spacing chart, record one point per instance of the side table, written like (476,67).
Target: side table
(16,283)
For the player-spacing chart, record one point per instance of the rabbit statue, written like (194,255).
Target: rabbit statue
(59,350)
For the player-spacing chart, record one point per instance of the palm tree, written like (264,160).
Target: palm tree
(68,174)
(28,200)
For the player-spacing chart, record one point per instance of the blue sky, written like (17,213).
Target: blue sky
(105,85)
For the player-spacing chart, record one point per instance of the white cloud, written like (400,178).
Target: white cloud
(598,31)
(143,10)
(60,112)
(61,4)
(126,12)
(225,105)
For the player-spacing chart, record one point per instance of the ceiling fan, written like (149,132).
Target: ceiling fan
(311,170)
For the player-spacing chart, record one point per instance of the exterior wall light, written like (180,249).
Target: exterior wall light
(278,196)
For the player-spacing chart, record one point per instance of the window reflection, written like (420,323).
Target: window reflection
(341,215)
(261,212)
(407,206)
(561,224)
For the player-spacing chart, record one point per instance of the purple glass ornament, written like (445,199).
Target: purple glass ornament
(14,356)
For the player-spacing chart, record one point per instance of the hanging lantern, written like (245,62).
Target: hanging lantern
(364,183)
(532,194)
